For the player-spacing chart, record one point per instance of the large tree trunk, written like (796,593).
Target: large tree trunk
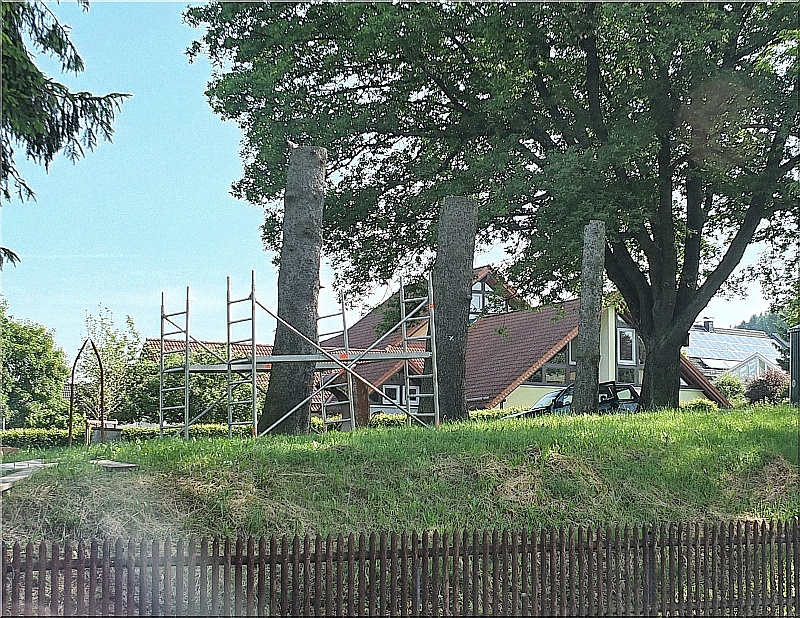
(587,353)
(662,373)
(452,293)
(298,290)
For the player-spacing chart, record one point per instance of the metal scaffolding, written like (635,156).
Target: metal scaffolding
(335,367)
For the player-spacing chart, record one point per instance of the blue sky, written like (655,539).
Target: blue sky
(152,211)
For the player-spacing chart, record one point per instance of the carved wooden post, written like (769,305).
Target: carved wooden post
(587,351)
(298,290)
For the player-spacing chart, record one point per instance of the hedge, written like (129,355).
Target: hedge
(50,438)
(36,438)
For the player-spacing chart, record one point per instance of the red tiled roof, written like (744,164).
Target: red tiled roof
(152,348)
(504,349)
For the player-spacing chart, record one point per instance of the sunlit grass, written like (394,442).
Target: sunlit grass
(649,467)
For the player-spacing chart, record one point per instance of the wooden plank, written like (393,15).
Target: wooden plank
(130,583)
(318,576)
(296,591)
(284,611)
(237,577)
(273,575)
(167,562)
(445,575)
(404,588)
(203,564)
(362,574)
(525,572)
(215,560)
(373,573)
(456,552)
(486,593)
(308,576)
(180,580)
(515,583)
(435,573)
(29,607)
(393,556)
(495,555)
(191,578)
(262,575)
(476,580)
(383,608)
(155,579)
(118,598)
(80,580)
(93,565)
(55,590)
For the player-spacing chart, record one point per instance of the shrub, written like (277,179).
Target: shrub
(731,386)
(770,387)
(37,438)
(700,405)
(387,420)
(492,414)
(204,430)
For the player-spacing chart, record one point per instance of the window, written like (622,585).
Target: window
(413,396)
(559,370)
(626,346)
(391,394)
(627,375)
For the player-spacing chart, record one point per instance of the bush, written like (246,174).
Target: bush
(387,420)
(204,430)
(492,414)
(731,386)
(36,438)
(700,405)
(770,387)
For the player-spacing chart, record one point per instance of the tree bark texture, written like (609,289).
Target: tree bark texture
(587,350)
(298,290)
(452,293)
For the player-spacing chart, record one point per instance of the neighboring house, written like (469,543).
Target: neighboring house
(740,352)
(514,356)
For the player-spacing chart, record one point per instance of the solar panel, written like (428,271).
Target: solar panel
(730,347)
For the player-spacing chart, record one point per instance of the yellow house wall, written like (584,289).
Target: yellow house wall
(690,394)
(525,395)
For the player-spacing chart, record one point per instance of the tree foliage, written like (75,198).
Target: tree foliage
(676,124)
(38,113)
(119,350)
(34,372)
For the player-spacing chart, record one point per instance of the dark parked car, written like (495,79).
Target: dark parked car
(612,397)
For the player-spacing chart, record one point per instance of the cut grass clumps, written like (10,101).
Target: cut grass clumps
(673,465)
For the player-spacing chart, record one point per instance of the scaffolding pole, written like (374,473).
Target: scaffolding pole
(244,370)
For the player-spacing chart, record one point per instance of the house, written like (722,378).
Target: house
(741,352)
(516,354)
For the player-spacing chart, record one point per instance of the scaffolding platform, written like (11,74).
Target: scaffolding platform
(330,365)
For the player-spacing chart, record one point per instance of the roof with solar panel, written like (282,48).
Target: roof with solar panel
(723,348)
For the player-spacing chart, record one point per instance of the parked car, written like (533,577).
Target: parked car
(612,397)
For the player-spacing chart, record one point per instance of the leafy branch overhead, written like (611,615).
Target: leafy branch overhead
(677,125)
(40,114)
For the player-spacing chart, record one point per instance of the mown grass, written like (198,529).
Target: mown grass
(648,467)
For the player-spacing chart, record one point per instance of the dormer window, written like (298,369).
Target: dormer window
(484,300)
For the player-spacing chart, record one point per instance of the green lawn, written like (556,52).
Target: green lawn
(648,467)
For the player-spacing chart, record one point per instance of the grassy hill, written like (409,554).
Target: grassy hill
(649,467)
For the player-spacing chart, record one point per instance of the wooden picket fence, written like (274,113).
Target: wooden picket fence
(742,568)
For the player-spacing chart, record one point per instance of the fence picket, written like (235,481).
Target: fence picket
(742,568)
(80,580)
(295,585)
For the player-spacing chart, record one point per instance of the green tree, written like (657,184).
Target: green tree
(38,113)
(34,372)
(768,322)
(119,350)
(676,124)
